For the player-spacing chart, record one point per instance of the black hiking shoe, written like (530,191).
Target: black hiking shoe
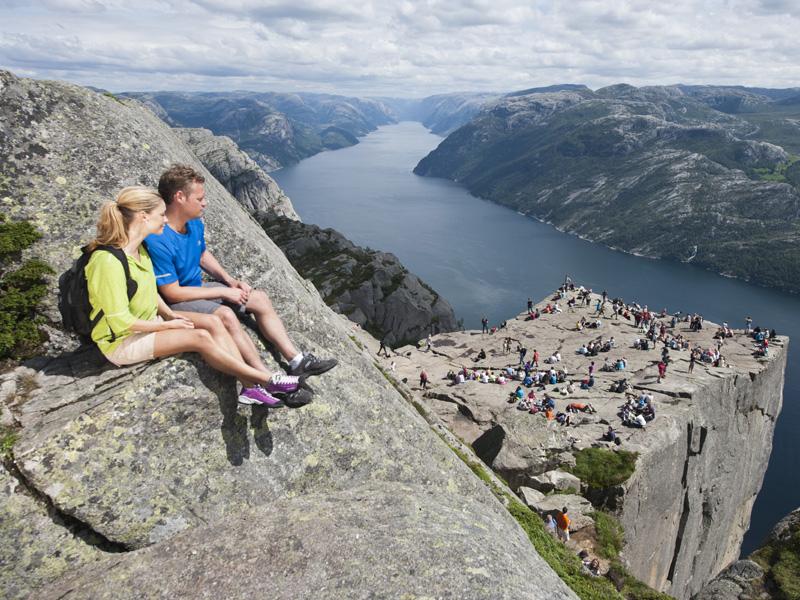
(311,365)
(299,398)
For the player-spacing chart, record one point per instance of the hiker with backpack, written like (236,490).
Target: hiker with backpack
(180,255)
(131,323)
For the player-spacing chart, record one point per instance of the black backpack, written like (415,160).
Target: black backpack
(73,294)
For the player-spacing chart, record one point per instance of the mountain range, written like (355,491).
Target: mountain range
(691,173)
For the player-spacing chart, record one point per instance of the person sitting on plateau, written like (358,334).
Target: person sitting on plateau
(180,254)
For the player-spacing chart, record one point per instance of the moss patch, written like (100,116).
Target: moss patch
(781,563)
(22,287)
(609,535)
(8,437)
(602,468)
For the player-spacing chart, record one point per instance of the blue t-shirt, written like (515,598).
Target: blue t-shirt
(176,256)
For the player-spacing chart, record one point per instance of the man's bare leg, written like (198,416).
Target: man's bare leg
(243,341)
(270,324)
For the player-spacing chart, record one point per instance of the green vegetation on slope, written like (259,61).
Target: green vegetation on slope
(781,562)
(602,468)
(21,290)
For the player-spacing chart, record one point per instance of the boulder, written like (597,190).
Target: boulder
(530,496)
(555,480)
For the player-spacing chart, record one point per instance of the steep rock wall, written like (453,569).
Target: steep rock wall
(687,507)
(241,175)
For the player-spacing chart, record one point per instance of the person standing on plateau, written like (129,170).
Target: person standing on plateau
(180,253)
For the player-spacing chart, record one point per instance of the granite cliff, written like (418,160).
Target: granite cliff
(772,571)
(699,465)
(658,171)
(238,173)
(369,287)
(153,481)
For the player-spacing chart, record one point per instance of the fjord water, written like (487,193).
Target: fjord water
(487,259)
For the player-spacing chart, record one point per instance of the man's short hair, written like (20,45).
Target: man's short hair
(176,179)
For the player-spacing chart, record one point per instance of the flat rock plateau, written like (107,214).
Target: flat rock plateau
(701,461)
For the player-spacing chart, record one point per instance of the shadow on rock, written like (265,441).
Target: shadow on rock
(261,433)
(234,425)
(85,361)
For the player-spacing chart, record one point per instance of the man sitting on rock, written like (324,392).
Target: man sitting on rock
(180,253)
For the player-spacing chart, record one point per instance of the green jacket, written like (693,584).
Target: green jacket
(108,291)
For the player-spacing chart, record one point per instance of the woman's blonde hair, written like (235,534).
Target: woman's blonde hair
(116,215)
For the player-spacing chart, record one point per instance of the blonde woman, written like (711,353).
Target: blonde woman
(143,327)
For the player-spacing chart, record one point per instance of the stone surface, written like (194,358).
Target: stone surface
(701,462)
(37,546)
(238,173)
(382,542)
(555,480)
(142,454)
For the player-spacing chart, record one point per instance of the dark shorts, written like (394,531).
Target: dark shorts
(207,306)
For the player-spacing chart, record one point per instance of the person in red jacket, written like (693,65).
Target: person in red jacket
(562,525)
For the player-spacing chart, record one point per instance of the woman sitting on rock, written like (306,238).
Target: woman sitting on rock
(139,329)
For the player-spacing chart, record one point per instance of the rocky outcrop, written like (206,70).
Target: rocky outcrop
(654,171)
(371,288)
(772,571)
(238,173)
(700,463)
(141,456)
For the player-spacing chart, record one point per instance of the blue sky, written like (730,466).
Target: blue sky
(401,48)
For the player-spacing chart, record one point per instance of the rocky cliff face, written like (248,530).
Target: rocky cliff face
(369,287)
(654,171)
(772,571)
(695,493)
(196,496)
(700,463)
(238,173)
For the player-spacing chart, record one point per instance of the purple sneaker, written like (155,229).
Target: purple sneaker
(283,384)
(258,395)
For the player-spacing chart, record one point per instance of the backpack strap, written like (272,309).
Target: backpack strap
(131,285)
(119,253)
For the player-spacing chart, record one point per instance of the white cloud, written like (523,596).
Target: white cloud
(405,48)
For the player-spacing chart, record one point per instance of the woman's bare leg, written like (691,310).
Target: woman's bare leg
(175,341)
(214,325)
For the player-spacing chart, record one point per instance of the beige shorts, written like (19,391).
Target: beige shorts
(137,347)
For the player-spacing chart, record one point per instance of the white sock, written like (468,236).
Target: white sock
(293,364)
